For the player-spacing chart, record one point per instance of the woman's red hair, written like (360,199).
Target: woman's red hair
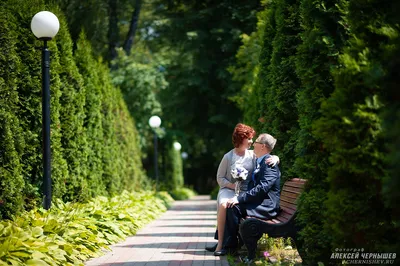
(240,133)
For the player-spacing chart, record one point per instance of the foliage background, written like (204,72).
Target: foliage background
(321,76)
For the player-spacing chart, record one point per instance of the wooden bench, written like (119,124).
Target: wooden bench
(251,229)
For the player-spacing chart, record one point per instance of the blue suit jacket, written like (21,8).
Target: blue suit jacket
(262,198)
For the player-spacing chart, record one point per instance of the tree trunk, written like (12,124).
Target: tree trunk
(113,31)
(132,29)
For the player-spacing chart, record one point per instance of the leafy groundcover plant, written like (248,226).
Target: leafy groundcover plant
(71,233)
(182,193)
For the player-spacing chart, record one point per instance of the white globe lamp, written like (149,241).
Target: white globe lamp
(154,121)
(177,146)
(184,155)
(45,25)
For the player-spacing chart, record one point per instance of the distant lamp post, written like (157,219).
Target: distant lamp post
(45,26)
(177,146)
(184,155)
(155,123)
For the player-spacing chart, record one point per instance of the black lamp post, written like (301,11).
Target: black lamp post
(155,123)
(45,26)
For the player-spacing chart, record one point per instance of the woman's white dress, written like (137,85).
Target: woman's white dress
(224,177)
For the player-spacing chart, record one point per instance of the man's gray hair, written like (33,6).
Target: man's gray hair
(268,140)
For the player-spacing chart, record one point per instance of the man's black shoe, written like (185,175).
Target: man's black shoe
(211,248)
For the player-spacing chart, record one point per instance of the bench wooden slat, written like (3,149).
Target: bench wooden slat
(289,194)
(288,206)
(288,199)
(294,184)
(286,214)
(293,190)
(288,211)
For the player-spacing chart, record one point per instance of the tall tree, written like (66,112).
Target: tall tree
(72,117)
(358,216)
(113,29)
(108,23)
(93,114)
(11,136)
(281,83)
(249,62)
(133,27)
(91,16)
(140,78)
(204,37)
(322,38)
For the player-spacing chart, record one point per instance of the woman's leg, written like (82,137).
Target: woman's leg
(221,217)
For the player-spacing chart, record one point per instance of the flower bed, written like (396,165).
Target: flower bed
(71,233)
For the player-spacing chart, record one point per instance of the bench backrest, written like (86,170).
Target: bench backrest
(288,200)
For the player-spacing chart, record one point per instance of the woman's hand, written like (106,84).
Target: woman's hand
(231,186)
(272,161)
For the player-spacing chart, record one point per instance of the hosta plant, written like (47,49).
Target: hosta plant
(71,233)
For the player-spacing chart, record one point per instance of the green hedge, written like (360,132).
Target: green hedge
(11,134)
(263,81)
(356,112)
(94,143)
(74,138)
(88,67)
(171,177)
(326,85)
(322,38)
(278,81)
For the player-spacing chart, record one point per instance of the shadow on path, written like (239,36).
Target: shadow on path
(167,245)
(177,238)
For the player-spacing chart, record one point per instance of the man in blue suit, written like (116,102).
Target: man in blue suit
(262,198)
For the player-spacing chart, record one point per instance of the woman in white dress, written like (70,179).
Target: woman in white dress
(242,139)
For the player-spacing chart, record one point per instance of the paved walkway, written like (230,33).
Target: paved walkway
(177,238)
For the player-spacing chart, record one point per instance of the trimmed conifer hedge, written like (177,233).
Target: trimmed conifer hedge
(322,38)
(281,82)
(94,141)
(12,137)
(354,131)
(326,83)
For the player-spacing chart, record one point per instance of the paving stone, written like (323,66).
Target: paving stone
(177,238)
